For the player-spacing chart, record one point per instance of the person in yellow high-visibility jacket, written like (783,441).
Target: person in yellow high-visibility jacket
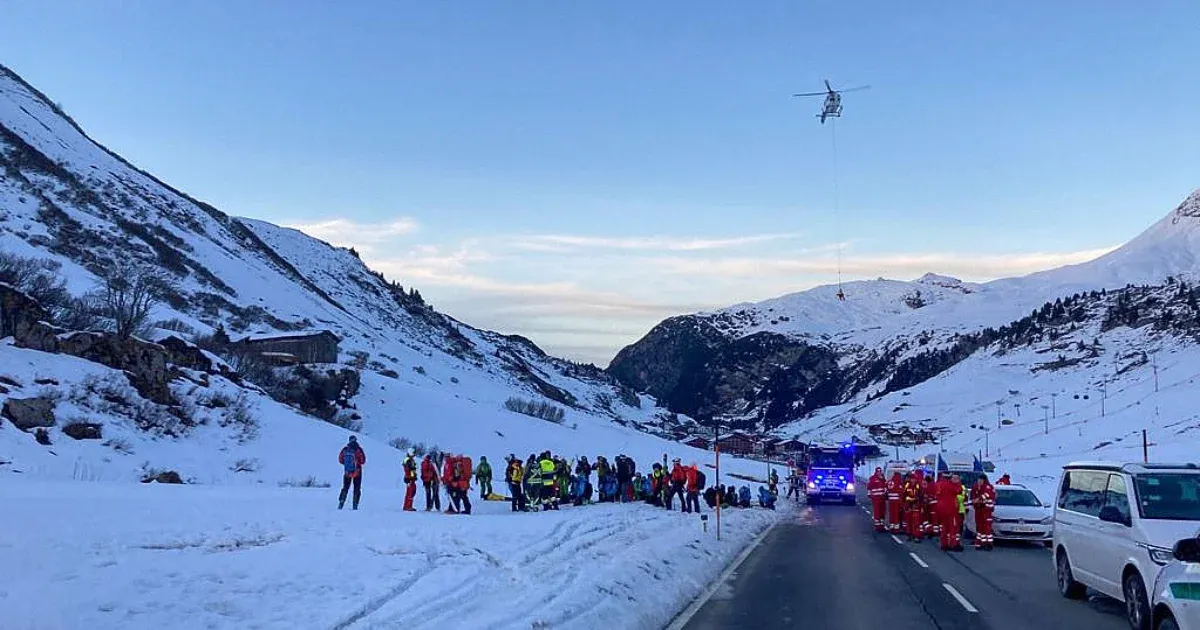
(961,519)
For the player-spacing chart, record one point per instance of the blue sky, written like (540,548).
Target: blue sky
(577,171)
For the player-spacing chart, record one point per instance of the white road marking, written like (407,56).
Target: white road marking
(919,560)
(962,600)
(897,539)
(689,612)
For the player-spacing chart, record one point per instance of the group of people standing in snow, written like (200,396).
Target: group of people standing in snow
(546,481)
(921,507)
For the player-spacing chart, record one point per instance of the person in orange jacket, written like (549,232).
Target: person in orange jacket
(983,498)
(877,492)
(410,481)
(692,485)
(429,479)
(948,491)
(895,502)
(352,458)
(914,506)
(459,483)
(1004,480)
(678,479)
(932,529)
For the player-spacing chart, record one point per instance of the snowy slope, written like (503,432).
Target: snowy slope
(828,351)
(104,556)
(1084,394)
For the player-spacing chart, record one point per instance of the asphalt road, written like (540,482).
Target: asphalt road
(825,567)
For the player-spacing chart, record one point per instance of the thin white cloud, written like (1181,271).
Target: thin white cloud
(568,242)
(347,233)
(966,266)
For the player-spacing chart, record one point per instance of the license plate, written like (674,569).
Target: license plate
(1024,529)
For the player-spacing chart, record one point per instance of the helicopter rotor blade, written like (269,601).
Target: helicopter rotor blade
(811,94)
(827,86)
(855,89)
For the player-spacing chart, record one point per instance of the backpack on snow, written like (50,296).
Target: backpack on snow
(700,479)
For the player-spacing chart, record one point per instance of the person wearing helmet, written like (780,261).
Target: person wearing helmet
(410,480)
(429,479)
(352,459)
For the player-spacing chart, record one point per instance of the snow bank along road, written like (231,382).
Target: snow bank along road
(131,556)
(825,567)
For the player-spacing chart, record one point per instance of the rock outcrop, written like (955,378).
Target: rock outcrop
(29,413)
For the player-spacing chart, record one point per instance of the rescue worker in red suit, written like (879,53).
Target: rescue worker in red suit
(410,481)
(1004,480)
(877,491)
(983,499)
(914,506)
(429,479)
(929,492)
(895,502)
(947,505)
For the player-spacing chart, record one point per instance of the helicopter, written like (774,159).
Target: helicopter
(833,100)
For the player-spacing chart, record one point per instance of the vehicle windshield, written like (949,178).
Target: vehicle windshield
(1021,498)
(829,460)
(1169,496)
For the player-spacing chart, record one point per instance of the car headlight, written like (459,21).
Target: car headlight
(1159,555)
(812,485)
(850,487)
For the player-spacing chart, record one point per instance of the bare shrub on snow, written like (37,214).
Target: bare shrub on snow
(240,414)
(245,465)
(403,444)
(128,293)
(120,445)
(112,395)
(536,409)
(305,482)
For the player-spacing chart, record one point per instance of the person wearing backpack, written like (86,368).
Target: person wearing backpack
(483,475)
(352,459)
(694,485)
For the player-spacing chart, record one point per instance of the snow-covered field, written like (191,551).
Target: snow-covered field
(131,556)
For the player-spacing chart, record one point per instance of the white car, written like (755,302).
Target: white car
(1176,594)
(1019,515)
(1115,527)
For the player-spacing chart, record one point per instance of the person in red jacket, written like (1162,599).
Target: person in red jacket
(410,481)
(895,502)
(947,504)
(448,481)
(1004,480)
(692,485)
(983,498)
(352,459)
(429,479)
(914,506)
(932,529)
(877,492)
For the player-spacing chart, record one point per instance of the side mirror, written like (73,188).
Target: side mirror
(1110,514)
(1187,550)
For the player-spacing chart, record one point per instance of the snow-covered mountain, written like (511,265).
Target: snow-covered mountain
(425,377)
(777,361)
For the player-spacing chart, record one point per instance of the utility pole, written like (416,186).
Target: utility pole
(717,455)
(998,404)
(1053,406)
(1103,395)
(1046,419)
(1018,406)
(986,451)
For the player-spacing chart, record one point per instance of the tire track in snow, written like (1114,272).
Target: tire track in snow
(382,600)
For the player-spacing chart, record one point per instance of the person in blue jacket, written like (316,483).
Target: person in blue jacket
(744,496)
(765,498)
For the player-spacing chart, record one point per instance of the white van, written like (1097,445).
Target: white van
(1115,526)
